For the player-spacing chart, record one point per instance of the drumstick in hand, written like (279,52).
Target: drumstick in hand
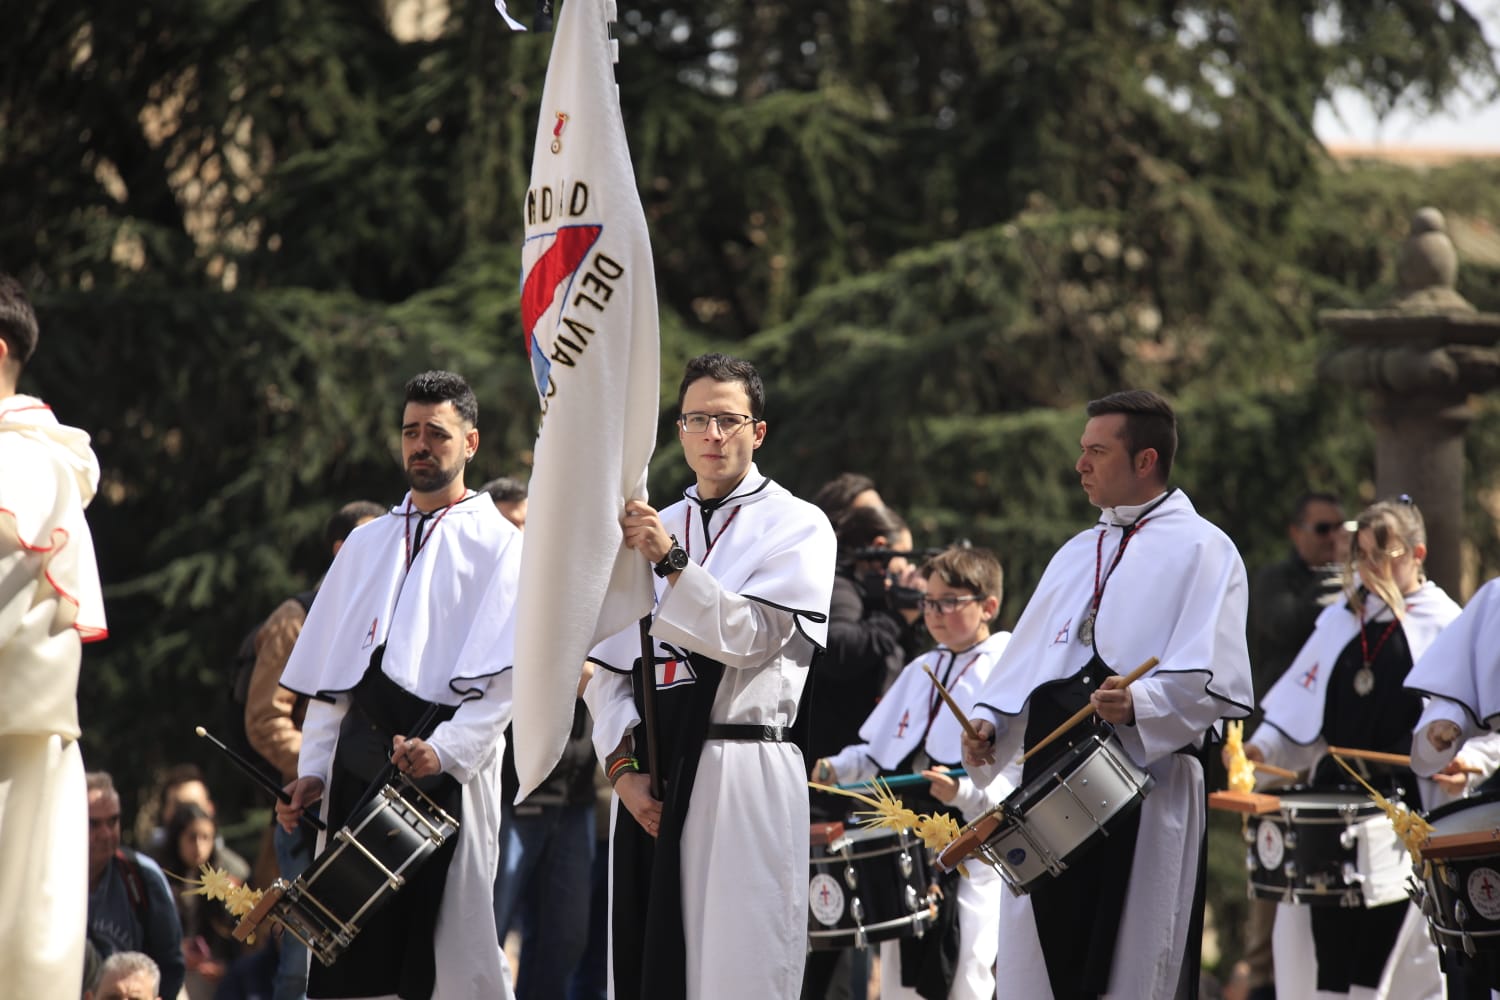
(952,705)
(254,774)
(1272,769)
(1087,710)
(1398,759)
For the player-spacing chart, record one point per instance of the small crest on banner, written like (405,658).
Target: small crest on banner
(557,131)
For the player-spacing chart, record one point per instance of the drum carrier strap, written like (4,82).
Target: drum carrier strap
(1078,913)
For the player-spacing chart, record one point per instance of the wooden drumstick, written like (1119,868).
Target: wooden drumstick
(973,733)
(1272,769)
(1375,756)
(1398,759)
(1087,710)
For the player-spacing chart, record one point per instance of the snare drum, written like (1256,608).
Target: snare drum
(867,885)
(1460,888)
(1089,790)
(363,865)
(1326,847)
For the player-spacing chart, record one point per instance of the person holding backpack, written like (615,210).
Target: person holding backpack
(272,724)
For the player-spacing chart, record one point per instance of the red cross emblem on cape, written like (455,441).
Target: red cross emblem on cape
(674,673)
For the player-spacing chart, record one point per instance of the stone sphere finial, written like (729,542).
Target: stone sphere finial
(1428,259)
(1427,267)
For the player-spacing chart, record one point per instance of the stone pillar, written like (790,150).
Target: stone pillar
(1420,357)
(1419,451)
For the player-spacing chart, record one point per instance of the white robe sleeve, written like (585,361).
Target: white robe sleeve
(699,615)
(854,763)
(320,734)
(1010,731)
(612,707)
(1425,760)
(476,731)
(1171,711)
(974,800)
(1281,751)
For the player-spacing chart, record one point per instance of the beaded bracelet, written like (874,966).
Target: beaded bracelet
(620,765)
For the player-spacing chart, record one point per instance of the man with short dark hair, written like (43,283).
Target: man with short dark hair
(510,498)
(415,622)
(50,605)
(709,883)
(130,905)
(1151,579)
(1286,597)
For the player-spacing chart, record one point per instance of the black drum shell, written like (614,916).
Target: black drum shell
(885,871)
(1311,827)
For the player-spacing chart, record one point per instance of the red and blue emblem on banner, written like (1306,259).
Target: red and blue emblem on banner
(551,260)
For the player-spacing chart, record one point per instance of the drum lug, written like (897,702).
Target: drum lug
(1290,838)
(857,909)
(1460,914)
(913,901)
(1348,838)
(851,877)
(904,862)
(1450,876)
(1469,948)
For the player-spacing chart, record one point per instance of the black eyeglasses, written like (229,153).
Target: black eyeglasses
(1326,527)
(945,605)
(728,423)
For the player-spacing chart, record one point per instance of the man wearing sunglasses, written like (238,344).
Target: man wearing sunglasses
(1287,597)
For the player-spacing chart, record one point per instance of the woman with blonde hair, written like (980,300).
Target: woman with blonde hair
(1345,689)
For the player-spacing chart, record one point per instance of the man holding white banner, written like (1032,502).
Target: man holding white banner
(709,884)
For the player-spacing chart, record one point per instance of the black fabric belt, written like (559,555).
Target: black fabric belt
(749,734)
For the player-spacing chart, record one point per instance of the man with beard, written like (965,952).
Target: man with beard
(406,656)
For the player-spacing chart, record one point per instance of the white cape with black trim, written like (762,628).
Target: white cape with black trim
(1460,665)
(896,724)
(447,622)
(1294,705)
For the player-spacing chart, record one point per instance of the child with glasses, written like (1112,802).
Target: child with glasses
(912,731)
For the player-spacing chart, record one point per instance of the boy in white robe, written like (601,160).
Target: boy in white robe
(50,605)
(708,887)
(1151,579)
(911,729)
(414,622)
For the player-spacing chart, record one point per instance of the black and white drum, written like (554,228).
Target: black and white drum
(1326,847)
(867,886)
(363,865)
(1459,891)
(1089,790)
